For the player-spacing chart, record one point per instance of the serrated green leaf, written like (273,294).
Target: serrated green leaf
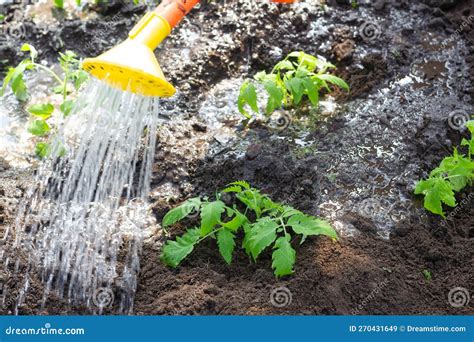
(236,222)
(211,215)
(334,80)
(226,243)
(283,256)
(42,111)
(308,225)
(247,96)
(232,188)
(262,234)
(175,251)
(180,212)
(243,184)
(284,65)
(436,191)
(39,128)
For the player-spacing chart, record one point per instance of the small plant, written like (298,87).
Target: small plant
(452,175)
(264,223)
(427,274)
(73,78)
(298,76)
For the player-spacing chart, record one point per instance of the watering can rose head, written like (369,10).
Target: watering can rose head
(132,65)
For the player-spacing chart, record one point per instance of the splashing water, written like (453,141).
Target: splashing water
(83,220)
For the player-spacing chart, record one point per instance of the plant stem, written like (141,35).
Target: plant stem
(51,72)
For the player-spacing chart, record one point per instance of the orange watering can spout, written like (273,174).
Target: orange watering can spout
(132,65)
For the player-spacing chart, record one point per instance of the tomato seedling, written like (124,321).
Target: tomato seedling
(263,223)
(293,79)
(452,175)
(42,123)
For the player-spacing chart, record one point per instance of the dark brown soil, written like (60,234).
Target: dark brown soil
(330,278)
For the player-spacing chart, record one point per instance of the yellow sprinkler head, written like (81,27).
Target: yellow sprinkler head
(132,65)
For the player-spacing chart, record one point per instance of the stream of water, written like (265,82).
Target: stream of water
(83,220)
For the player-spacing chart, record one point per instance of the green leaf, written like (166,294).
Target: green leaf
(42,111)
(226,243)
(236,222)
(59,4)
(470,127)
(308,225)
(211,215)
(31,49)
(42,150)
(459,171)
(470,144)
(312,91)
(284,65)
(262,234)
(19,87)
(275,98)
(296,87)
(39,128)
(437,191)
(79,77)
(175,251)
(247,96)
(180,212)
(66,107)
(334,80)
(283,256)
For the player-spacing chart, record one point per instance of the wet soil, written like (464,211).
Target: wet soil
(370,270)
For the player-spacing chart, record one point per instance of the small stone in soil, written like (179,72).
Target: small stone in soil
(253,151)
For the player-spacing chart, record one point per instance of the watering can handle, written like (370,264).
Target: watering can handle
(173,11)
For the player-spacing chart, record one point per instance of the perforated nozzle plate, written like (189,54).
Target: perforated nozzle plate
(128,78)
